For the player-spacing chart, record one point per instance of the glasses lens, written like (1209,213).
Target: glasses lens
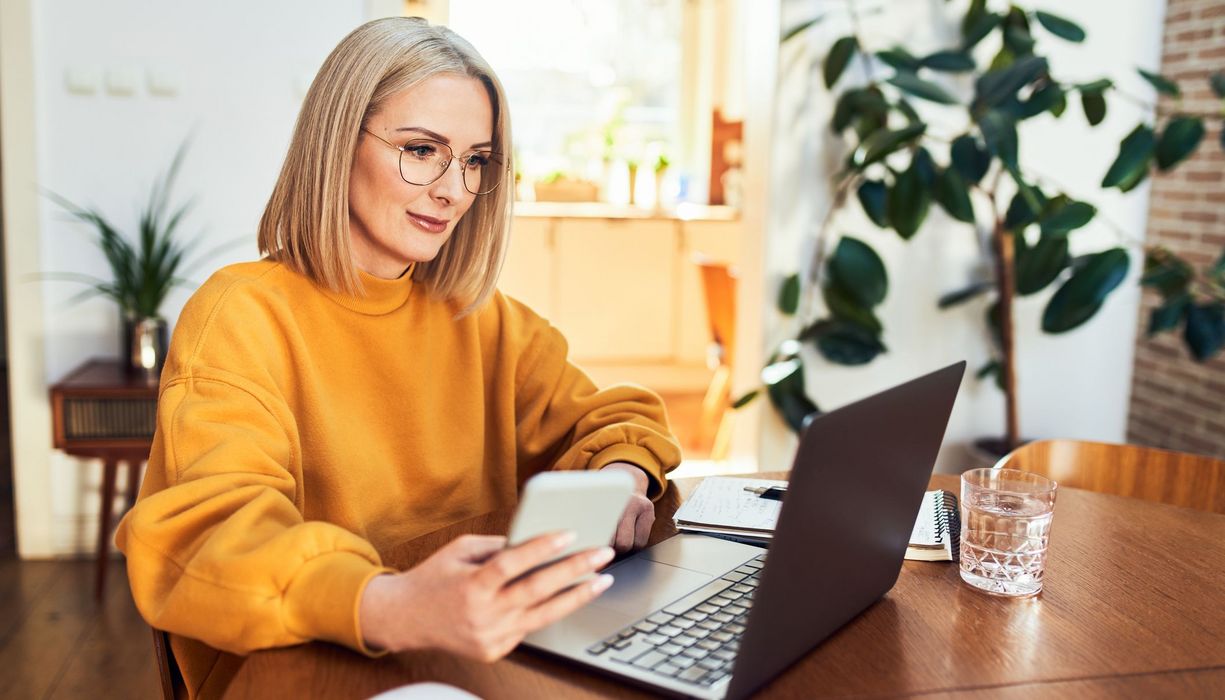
(482,171)
(422,162)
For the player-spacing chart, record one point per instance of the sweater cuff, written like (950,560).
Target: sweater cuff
(637,456)
(324,599)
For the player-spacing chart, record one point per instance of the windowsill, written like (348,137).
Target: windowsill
(685,211)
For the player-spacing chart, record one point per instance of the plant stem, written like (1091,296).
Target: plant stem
(1004,284)
(867,61)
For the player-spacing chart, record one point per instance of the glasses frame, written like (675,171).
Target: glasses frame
(463,168)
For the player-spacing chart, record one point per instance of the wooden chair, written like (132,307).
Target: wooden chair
(719,292)
(173,685)
(1176,478)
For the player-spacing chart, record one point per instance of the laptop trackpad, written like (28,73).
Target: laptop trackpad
(642,586)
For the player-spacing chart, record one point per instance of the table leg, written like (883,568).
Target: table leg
(110,468)
(134,469)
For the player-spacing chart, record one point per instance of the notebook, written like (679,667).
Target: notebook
(720,506)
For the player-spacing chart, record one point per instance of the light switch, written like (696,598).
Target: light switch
(122,82)
(83,80)
(163,82)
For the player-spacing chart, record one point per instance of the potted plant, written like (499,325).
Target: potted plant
(144,269)
(893,171)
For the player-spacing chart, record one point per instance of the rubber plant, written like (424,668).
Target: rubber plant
(897,165)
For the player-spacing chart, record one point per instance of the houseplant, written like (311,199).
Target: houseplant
(893,171)
(144,268)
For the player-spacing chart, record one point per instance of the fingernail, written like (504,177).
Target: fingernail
(564,540)
(602,556)
(601,583)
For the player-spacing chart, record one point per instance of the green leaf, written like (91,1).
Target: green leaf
(1131,165)
(1021,211)
(787,391)
(1179,140)
(745,399)
(1167,273)
(1000,136)
(872,194)
(1205,332)
(800,29)
(912,117)
(1019,41)
(995,86)
(948,62)
(789,295)
(839,56)
(862,104)
(969,158)
(898,59)
(1094,104)
(844,342)
(1099,85)
(910,83)
(1046,98)
(924,166)
(860,270)
(908,202)
(1060,27)
(1062,215)
(1080,297)
(1164,85)
(976,30)
(1218,83)
(1037,267)
(884,142)
(843,305)
(993,369)
(960,296)
(951,193)
(1218,270)
(1169,315)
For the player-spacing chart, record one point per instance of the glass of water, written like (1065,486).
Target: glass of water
(1005,527)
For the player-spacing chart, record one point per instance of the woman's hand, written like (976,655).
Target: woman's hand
(472,597)
(635,527)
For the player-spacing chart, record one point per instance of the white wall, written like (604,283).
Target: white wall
(1073,385)
(241,69)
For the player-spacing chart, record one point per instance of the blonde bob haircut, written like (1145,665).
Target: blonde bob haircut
(306,222)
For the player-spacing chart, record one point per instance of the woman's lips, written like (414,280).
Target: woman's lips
(428,223)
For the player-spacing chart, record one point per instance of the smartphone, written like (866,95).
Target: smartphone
(587,503)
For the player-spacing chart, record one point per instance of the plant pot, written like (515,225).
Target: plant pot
(145,341)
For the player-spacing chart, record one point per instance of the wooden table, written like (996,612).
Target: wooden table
(1134,606)
(101,412)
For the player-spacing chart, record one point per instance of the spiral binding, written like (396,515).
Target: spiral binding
(948,522)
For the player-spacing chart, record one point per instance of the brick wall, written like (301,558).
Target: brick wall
(1176,402)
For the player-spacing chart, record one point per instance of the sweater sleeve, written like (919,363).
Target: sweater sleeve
(562,416)
(217,546)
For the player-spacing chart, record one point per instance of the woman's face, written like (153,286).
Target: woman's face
(391,222)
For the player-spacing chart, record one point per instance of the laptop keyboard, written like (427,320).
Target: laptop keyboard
(694,639)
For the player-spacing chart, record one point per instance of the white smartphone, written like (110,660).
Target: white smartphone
(589,504)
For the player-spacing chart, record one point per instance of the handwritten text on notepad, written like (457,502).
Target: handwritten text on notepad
(723,502)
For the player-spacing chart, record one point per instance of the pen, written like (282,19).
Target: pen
(774,493)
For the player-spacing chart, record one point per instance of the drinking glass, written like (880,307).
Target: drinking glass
(1005,527)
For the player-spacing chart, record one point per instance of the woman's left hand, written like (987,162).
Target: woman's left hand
(635,527)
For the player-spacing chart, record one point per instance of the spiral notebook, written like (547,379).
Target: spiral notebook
(721,507)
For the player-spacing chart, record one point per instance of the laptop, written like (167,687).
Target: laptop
(705,617)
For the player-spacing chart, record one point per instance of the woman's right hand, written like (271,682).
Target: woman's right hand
(472,598)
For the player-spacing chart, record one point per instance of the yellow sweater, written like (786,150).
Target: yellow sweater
(300,433)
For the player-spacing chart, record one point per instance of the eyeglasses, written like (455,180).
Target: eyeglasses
(423,161)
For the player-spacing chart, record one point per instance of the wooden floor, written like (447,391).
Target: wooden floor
(57,642)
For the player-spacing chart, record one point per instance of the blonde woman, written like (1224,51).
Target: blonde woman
(365,384)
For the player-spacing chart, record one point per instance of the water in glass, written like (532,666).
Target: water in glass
(1006,523)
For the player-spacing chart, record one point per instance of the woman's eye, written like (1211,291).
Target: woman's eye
(477,160)
(420,150)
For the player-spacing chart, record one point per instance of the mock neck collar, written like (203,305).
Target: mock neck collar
(379,296)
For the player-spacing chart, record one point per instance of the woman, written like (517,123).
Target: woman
(365,384)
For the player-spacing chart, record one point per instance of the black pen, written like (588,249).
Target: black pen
(774,493)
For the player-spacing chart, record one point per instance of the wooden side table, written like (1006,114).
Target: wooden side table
(101,412)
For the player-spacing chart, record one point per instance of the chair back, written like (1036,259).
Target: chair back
(173,685)
(719,292)
(1148,473)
